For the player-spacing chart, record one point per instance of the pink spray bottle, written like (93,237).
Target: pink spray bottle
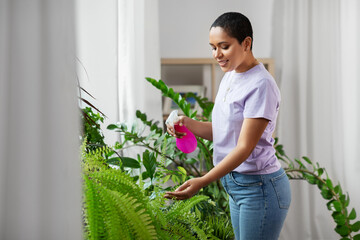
(187,143)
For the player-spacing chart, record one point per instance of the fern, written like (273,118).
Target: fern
(94,160)
(115,225)
(115,207)
(221,226)
(95,227)
(112,213)
(180,208)
(116,180)
(135,214)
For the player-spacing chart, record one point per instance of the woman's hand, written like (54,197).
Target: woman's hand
(187,190)
(171,130)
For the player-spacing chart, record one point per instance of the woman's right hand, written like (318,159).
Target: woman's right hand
(171,130)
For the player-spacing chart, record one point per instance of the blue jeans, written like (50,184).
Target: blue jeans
(258,204)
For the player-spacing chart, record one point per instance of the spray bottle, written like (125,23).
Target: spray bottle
(187,143)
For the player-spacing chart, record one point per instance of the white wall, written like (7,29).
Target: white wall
(184,25)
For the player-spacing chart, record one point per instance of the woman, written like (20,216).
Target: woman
(243,121)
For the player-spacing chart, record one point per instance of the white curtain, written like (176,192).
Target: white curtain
(118,46)
(40,189)
(138,57)
(315,46)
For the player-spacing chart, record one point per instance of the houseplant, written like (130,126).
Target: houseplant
(162,162)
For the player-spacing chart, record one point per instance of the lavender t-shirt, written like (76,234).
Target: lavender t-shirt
(251,94)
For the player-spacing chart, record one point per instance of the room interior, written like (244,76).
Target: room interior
(311,48)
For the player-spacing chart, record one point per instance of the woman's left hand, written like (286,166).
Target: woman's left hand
(187,190)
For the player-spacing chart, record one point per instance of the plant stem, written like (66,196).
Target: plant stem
(197,171)
(206,149)
(172,159)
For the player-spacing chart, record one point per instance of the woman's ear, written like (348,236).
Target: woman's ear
(247,43)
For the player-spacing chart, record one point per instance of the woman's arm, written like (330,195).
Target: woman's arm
(250,134)
(200,129)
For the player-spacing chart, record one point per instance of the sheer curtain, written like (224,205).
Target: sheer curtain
(118,46)
(138,57)
(315,46)
(40,191)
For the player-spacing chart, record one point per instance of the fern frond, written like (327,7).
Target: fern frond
(156,207)
(134,213)
(118,181)
(221,226)
(180,230)
(116,227)
(95,228)
(93,161)
(180,208)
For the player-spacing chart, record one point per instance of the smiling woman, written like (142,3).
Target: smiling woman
(228,53)
(243,120)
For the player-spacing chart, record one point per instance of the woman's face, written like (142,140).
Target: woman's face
(227,51)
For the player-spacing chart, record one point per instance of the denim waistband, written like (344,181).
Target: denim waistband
(257,177)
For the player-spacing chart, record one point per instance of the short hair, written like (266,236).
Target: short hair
(236,25)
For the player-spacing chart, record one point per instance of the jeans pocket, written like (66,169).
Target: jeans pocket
(245,180)
(282,189)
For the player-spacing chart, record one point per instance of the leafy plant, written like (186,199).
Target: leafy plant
(296,169)
(116,207)
(175,165)
(337,200)
(86,117)
(91,129)
(161,162)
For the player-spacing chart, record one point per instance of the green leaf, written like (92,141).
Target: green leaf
(347,201)
(130,162)
(301,165)
(352,214)
(175,179)
(337,189)
(356,237)
(176,97)
(171,93)
(339,218)
(112,127)
(330,205)
(193,114)
(356,226)
(307,160)
(329,184)
(114,161)
(166,178)
(320,184)
(181,169)
(150,80)
(187,108)
(342,230)
(145,175)
(320,171)
(334,205)
(149,161)
(163,87)
(190,161)
(326,194)
(310,178)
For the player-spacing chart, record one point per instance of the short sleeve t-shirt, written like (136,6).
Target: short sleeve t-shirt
(251,94)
